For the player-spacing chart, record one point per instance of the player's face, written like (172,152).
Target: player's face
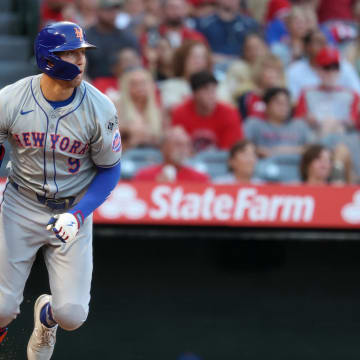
(76,57)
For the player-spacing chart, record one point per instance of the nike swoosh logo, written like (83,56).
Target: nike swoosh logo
(25,112)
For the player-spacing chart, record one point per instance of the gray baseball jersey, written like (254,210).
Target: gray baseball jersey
(54,151)
(54,155)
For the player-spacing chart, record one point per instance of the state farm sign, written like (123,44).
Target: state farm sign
(194,204)
(247,204)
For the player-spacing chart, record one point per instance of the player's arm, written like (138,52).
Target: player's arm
(68,224)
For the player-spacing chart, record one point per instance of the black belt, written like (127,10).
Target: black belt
(54,204)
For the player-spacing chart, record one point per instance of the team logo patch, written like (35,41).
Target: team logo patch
(79,33)
(111,124)
(116,143)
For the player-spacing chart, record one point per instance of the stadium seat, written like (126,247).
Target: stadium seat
(11,71)
(9,22)
(135,159)
(14,48)
(213,162)
(280,168)
(6,5)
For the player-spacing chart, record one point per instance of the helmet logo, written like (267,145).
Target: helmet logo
(79,33)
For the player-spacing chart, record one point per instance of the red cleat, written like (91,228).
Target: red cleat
(3,333)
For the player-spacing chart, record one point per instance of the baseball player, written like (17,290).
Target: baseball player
(65,161)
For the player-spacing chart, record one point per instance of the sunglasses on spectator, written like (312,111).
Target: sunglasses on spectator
(330,67)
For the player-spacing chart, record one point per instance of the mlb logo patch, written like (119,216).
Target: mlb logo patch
(116,143)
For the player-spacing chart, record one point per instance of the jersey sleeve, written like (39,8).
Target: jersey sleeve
(105,146)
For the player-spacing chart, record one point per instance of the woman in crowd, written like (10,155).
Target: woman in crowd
(242,162)
(238,78)
(278,134)
(139,112)
(190,58)
(317,166)
(160,59)
(298,23)
(268,72)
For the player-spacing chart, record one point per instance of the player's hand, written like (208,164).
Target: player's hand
(65,226)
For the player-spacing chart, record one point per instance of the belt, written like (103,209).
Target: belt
(54,204)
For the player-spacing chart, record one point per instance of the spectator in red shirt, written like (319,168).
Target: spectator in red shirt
(344,10)
(54,10)
(176,149)
(208,121)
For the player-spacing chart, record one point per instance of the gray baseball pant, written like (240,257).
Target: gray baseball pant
(22,233)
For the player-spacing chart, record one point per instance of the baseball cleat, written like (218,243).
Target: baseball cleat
(3,333)
(42,340)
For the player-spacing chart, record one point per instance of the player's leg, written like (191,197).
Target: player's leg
(70,272)
(18,247)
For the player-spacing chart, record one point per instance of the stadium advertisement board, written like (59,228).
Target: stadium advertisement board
(232,205)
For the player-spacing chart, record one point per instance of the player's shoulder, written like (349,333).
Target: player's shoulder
(99,101)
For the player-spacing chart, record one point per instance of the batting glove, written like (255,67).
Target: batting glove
(65,226)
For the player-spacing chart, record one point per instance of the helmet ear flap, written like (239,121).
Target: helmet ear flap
(60,69)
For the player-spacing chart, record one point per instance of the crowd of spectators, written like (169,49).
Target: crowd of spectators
(257,79)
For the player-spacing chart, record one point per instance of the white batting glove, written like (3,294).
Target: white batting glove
(65,226)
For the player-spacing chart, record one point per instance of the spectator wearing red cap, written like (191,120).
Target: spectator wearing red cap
(209,122)
(332,110)
(304,73)
(329,107)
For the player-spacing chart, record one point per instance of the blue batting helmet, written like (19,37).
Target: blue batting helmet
(59,36)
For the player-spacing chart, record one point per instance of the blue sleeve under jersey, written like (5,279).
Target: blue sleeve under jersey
(98,191)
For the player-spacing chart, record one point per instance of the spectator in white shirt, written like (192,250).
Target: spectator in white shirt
(304,73)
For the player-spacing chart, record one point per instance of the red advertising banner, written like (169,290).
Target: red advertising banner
(232,205)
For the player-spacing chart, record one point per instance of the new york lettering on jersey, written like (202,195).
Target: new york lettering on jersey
(59,142)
